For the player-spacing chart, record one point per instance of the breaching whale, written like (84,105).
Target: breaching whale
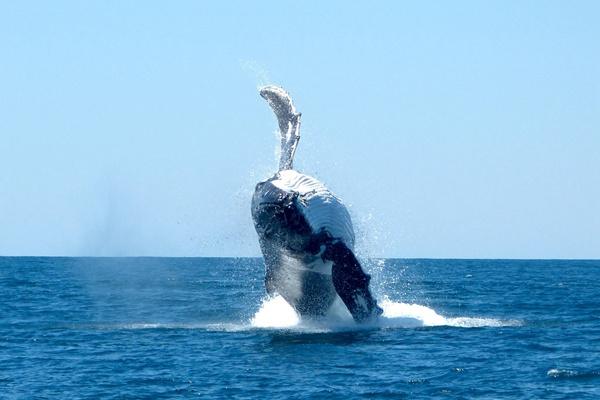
(305,232)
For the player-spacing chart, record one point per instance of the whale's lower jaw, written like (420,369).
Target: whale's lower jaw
(304,281)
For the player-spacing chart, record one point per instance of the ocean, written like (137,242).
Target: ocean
(119,328)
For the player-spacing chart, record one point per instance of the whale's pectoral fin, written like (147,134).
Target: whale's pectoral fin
(289,122)
(351,282)
(281,103)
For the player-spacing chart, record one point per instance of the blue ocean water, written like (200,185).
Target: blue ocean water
(202,328)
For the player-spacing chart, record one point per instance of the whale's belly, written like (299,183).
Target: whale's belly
(305,284)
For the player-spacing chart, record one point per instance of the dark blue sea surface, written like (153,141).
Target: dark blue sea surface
(190,328)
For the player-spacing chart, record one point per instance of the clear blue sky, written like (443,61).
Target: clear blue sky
(452,129)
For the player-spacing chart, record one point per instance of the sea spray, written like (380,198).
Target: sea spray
(276,313)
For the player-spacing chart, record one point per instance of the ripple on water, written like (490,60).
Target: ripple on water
(558,373)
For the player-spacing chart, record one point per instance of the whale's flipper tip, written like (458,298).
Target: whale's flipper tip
(281,103)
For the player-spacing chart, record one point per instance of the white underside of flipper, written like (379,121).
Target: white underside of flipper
(289,122)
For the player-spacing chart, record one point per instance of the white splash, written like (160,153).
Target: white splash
(276,313)
(411,315)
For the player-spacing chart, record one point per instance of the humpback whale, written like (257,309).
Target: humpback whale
(305,232)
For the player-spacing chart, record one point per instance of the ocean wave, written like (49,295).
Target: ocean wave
(557,373)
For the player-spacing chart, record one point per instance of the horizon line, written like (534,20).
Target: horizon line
(260,257)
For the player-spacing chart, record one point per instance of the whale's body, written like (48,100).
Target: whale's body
(295,214)
(306,234)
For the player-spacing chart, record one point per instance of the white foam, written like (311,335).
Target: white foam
(276,313)
(418,315)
